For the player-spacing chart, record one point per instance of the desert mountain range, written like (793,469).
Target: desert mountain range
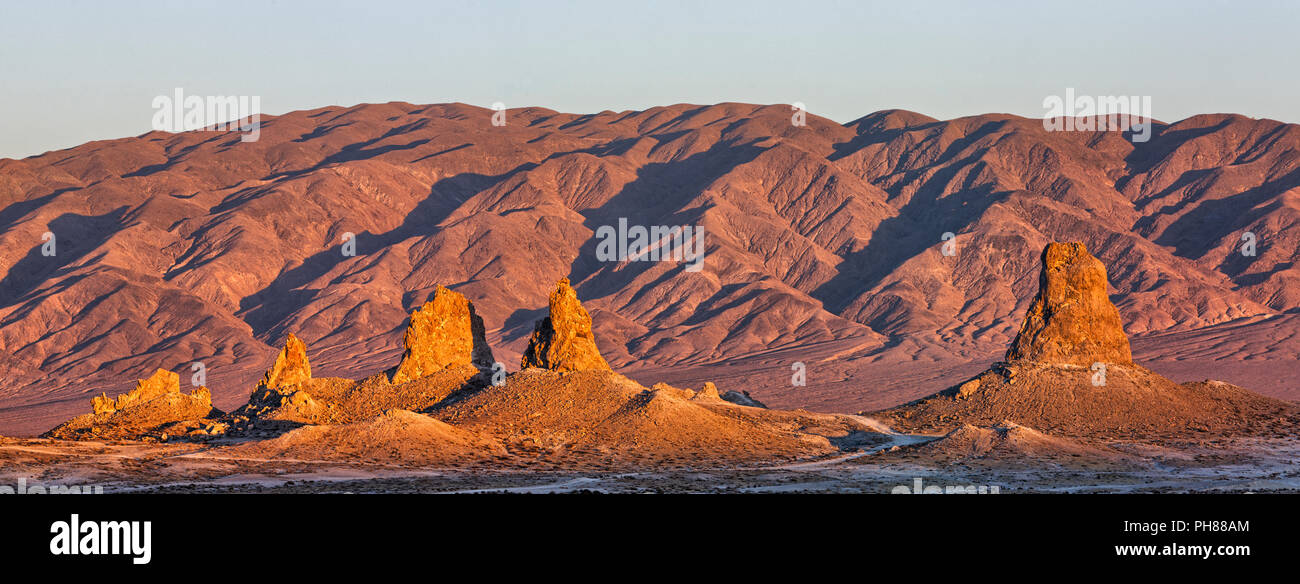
(177,248)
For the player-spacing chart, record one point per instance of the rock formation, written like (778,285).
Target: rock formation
(437,364)
(445,332)
(1048,382)
(153,404)
(1072,320)
(160,383)
(563,340)
(283,389)
(290,367)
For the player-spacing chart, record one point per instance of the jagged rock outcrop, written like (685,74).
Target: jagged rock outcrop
(290,367)
(160,383)
(443,333)
(288,396)
(563,340)
(1072,320)
(282,393)
(154,404)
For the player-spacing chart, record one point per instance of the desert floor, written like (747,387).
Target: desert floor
(1239,465)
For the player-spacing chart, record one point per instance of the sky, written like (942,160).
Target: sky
(75,71)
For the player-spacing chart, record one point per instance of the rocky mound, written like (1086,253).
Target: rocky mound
(603,418)
(392,436)
(1134,402)
(563,340)
(710,393)
(539,409)
(1012,445)
(664,424)
(1052,381)
(155,408)
(707,393)
(443,333)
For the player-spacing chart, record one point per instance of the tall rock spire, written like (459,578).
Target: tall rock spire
(1072,319)
(563,340)
(444,332)
(290,367)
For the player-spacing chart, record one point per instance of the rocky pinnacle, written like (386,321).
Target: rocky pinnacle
(442,333)
(563,340)
(1071,320)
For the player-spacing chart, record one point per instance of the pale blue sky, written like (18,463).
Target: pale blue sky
(77,71)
